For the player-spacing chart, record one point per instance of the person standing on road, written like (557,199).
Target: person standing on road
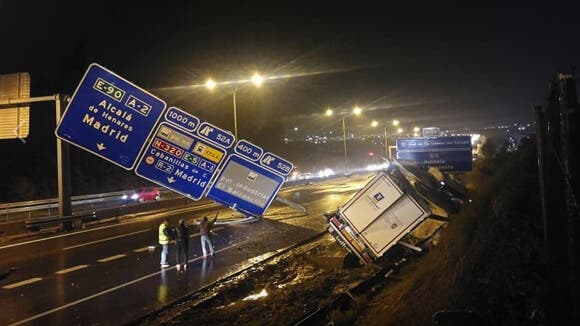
(205,230)
(164,237)
(182,243)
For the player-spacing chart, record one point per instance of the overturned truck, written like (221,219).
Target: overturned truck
(402,205)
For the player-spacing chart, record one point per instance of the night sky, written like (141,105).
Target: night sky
(462,64)
(424,63)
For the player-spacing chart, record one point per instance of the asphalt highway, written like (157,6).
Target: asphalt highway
(110,274)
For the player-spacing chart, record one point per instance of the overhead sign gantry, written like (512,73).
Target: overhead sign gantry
(124,124)
(447,153)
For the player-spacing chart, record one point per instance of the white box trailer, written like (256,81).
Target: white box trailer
(376,218)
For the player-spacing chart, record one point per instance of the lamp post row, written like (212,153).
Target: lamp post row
(374,123)
(356,111)
(256,79)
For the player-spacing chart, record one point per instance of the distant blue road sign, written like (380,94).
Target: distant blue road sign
(110,117)
(180,160)
(433,143)
(245,186)
(276,164)
(458,160)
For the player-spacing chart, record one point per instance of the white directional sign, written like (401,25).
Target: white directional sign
(249,179)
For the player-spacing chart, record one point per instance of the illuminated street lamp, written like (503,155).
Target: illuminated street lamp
(256,79)
(416,131)
(210,84)
(356,111)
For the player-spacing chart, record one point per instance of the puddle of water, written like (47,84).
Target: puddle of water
(256,296)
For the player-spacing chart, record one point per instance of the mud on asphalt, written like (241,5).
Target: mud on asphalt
(276,292)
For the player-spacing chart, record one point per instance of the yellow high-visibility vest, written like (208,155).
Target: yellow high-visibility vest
(163,239)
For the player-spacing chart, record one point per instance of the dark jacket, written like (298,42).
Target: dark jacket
(182,233)
(205,226)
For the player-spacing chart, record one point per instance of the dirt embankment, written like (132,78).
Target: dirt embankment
(488,258)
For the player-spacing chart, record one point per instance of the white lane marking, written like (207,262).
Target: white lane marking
(71,269)
(193,235)
(104,260)
(136,220)
(141,249)
(25,282)
(59,236)
(107,239)
(74,303)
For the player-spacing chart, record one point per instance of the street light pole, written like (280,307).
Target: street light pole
(344,142)
(386,145)
(256,79)
(355,111)
(235,114)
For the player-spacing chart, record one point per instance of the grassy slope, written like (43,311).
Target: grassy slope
(488,257)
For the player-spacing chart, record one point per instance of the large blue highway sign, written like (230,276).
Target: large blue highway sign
(458,160)
(433,143)
(245,186)
(110,117)
(180,160)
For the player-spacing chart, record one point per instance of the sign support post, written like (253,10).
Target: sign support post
(63,160)
(63,167)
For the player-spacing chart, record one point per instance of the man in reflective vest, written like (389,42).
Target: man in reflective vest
(164,237)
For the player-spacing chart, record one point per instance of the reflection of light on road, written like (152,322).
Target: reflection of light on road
(335,199)
(206,269)
(340,189)
(257,259)
(162,292)
(256,296)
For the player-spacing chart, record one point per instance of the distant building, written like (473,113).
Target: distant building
(431,131)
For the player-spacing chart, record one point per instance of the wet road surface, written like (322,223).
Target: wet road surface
(110,274)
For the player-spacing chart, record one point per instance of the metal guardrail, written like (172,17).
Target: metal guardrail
(49,207)
(39,223)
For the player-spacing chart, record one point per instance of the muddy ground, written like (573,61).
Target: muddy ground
(278,292)
(485,261)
